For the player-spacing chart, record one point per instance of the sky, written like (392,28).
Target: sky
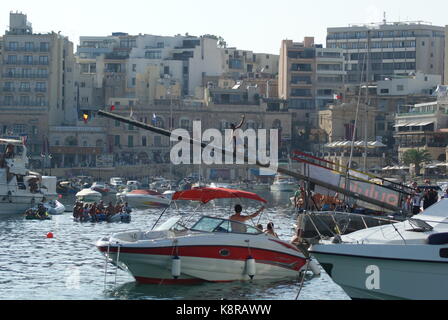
(256,25)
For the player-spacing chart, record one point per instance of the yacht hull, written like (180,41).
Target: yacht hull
(18,204)
(214,262)
(386,272)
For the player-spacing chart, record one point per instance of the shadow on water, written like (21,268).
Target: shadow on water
(261,289)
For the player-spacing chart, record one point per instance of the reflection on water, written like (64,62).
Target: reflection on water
(69,266)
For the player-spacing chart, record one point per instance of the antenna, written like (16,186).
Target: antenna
(384,17)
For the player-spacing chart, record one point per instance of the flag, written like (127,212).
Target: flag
(154,119)
(24,139)
(337,97)
(112,108)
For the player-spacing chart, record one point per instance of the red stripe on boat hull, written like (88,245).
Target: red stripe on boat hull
(285,260)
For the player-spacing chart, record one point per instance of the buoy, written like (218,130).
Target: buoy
(175,267)
(50,235)
(314,267)
(250,267)
(60,196)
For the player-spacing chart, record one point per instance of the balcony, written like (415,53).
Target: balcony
(10,75)
(26,49)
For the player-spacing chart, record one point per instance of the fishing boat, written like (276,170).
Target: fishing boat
(211,250)
(141,199)
(404,260)
(283,183)
(88,195)
(20,188)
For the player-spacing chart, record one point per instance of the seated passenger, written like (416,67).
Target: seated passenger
(270,230)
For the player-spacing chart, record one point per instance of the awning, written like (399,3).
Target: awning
(403,124)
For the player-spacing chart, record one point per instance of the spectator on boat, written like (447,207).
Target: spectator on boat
(298,198)
(127,208)
(270,230)
(9,152)
(416,202)
(430,197)
(41,211)
(92,213)
(260,227)
(110,210)
(237,227)
(86,213)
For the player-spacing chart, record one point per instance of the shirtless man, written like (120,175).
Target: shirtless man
(237,227)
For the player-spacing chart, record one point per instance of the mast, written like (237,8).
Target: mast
(281,170)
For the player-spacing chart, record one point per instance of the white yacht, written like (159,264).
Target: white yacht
(283,183)
(20,188)
(405,260)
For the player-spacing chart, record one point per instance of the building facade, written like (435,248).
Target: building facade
(378,51)
(37,83)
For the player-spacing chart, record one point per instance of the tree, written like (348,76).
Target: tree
(416,157)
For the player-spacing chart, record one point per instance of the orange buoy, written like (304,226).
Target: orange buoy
(50,235)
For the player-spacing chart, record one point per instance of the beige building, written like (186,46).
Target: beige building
(445,75)
(37,84)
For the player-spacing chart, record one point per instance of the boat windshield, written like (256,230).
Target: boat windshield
(211,224)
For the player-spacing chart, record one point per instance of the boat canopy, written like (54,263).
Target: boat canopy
(206,195)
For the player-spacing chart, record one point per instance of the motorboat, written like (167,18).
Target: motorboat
(88,195)
(101,188)
(117,183)
(54,207)
(20,188)
(212,249)
(283,184)
(144,199)
(403,260)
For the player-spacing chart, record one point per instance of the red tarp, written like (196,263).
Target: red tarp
(206,195)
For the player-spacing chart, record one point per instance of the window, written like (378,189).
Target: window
(134,67)
(153,55)
(41,86)
(43,60)
(130,141)
(12,59)
(384,91)
(117,123)
(44,46)
(28,59)
(24,87)
(117,141)
(29,46)
(24,100)
(400,87)
(144,141)
(19,129)
(12,46)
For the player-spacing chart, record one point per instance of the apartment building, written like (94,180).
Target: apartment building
(389,48)
(37,82)
(445,75)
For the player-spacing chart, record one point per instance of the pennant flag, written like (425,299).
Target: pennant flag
(154,118)
(112,108)
(85,117)
(24,139)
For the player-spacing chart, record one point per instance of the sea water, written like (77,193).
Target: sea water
(69,266)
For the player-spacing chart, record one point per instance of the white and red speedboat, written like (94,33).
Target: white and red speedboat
(209,251)
(144,199)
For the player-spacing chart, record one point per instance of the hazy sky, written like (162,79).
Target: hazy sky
(257,25)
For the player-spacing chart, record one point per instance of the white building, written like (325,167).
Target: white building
(415,84)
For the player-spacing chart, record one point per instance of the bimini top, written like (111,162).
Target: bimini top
(206,195)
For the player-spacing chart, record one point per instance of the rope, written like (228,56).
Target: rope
(303,278)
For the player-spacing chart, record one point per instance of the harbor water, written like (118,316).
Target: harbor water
(69,267)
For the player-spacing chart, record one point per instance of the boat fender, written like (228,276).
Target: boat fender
(175,267)
(314,267)
(250,267)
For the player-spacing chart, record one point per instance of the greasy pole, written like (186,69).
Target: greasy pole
(284,171)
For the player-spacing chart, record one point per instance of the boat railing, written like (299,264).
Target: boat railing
(339,223)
